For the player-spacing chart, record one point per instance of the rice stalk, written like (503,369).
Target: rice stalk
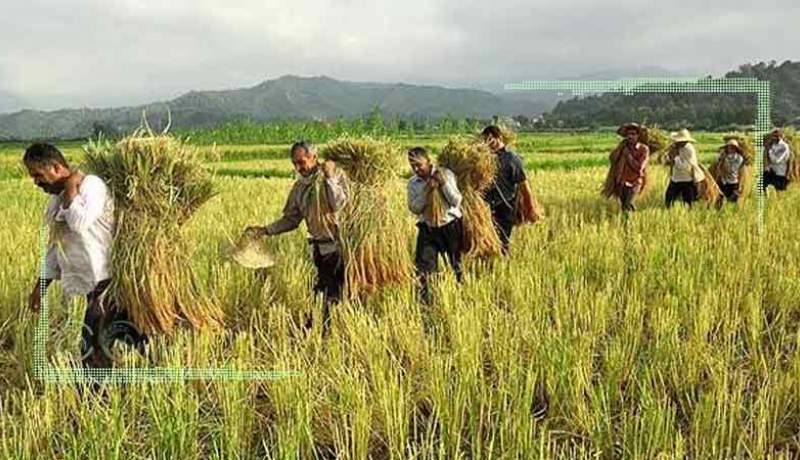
(474,167)
(157,183)
(371,235)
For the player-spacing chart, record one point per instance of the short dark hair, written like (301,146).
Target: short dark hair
(418,152)
(493,131)
(44,153)
(302,144)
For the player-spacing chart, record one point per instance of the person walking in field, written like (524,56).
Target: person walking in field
(316,197)
(80,218)
(434,197)
(502,194)
(685,172)
(777,154)
(729,170)
(627,174)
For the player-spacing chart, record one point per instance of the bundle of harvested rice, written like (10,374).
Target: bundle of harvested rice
(748,152)
(656,141)
(371,235)
(474,166)
(157,183)
(508,136)
(434,211)
(527,209)
(707,189)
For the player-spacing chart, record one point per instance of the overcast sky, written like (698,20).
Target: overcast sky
(56,53)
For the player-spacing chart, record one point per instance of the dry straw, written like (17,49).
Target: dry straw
(474,166)
(372,237)
(435,208)
(655,139)
(747,150)
(157,183)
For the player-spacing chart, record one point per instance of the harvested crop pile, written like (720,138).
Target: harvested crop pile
(745,170)
(655,139)
(157,183)
(474,166)
(371,233)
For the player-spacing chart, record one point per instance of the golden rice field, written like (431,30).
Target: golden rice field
(673,334)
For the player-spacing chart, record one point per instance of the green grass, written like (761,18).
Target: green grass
(670,335)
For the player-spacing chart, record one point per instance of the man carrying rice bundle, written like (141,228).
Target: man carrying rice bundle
(502,194)
(80,216)
(433,196)
(777,155)
(316,197)
(729,170)
(627,174)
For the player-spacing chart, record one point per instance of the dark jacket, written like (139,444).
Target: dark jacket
(510,173)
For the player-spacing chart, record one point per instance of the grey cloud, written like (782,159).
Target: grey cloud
(112,52)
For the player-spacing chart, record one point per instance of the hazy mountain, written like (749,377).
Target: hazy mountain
(287,97)
(697,111)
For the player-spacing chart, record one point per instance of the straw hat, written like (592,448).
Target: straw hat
(641,129)
(682,136)
(248,251)
(735,144)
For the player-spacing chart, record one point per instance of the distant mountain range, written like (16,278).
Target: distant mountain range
(287,97)
(713,111)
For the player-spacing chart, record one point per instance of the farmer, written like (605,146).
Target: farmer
(433,196)
(685,172)
(502,194)
(776,161)
(316,197)
(729,167)
(627,175)
(80,216)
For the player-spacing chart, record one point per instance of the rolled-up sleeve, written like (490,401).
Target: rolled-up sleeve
(52,271)
(338,191)
(87,206)
(416,196)
(291,218)
(450,188)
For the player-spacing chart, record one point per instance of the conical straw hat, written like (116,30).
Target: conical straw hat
(248,251)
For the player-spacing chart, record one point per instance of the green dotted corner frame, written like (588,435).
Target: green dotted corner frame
(45,371)
(760,88)
(48,373)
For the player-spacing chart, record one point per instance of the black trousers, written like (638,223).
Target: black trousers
(330,280)
(104,324)
(770,178)
(448,241)
(626,198)
(503,218)
(731,192)
(686,191)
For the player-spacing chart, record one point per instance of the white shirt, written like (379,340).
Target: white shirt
(80,253)
(779,158)
(685,167)
(730,168)
(418,201)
